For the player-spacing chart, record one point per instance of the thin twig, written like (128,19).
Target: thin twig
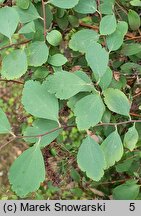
(138,94)
(118,123)
(88,26)
(44,19)
(15,44)
(66,127)
(7,143)
(14,81)
(135,114)
(122,8)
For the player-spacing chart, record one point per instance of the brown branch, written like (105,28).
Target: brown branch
(138,94)
(66,127)
(14,81)
(44,19)
(88,26)
(118,123)
(135,114)
(15,44)
(11,140)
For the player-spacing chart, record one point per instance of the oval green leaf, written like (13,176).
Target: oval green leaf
(131,138)
(117,101)
(14,65)
(113,149)
(27,171)
(37,53)
(82,39)
(9,20)
(89,111)
(108,25)
(39,102)
(90,159)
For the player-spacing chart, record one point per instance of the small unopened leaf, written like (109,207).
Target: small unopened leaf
(54,37)
(89,111)
(97,58)
(41,126)
(37,53)
(65,84)
(117,101)
(126,191)
(57,60)
(108,25)
(39,102)
(82,39)
(90,159)
(9,20)
(86,6)
(14,65)
(4,123)
(64,3)
(134,20)
(113,148)
(27,171)
(131,138)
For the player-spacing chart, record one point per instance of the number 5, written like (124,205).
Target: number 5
(132,207)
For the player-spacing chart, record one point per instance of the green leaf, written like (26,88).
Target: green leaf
(27,171)
(106,79)
(83,76)
(115,40)
(27,28)
(54,38)
(125,166)
(75,175)
(64,3)
(73,100)
(106,7)
(14,65)
(9,20)
(136,3)
(127,191)
(89,111)
(41,126)
(117,101)
(112,148)
(27,15)
(90,159)
(57,60)
(108,25)
(65,84)
(129,67)
(131,49)
(39,102)
(131,138)
(23,4)
(82,39)
(37,53)
(4,123)
(40,73)
(134,20)
(86,7)
(97,58)
(73,20)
